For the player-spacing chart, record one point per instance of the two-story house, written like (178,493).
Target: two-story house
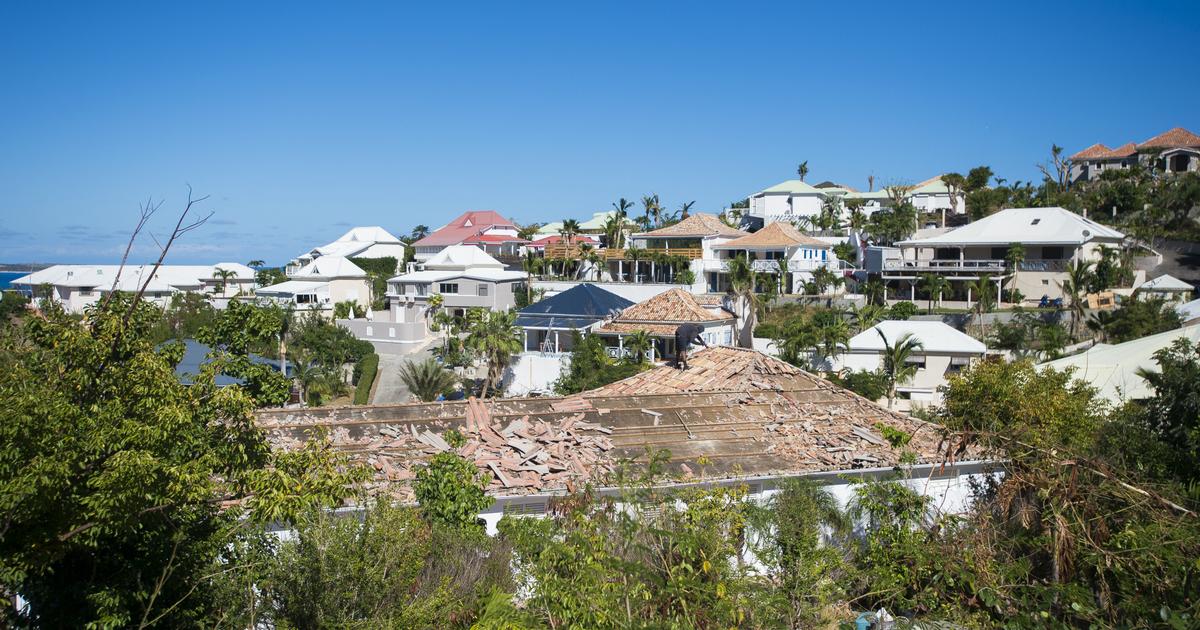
(786,201)
(1052,238)
(765,249)
(463,275)
(486,229)
(320,285)
(359,242)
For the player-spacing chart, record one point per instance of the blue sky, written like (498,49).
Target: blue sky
(303,119)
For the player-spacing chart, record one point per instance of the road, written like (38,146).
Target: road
(390,389)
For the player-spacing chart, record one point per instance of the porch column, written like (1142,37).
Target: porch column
(620,346)
(620,270)
(912,291)
(651,271)
(556,342)
(525,337)
(960,256)
(968,295)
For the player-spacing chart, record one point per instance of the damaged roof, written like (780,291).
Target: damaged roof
(744,413)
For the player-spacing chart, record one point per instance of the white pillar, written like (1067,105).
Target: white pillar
(968,296)
(556,342)
(620,346)
(912,291)
(525,336)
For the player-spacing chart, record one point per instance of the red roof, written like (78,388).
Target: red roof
(1177,137)
(1125,150)
(1091,153)
(471,223)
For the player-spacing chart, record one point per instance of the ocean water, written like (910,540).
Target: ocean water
(8,276)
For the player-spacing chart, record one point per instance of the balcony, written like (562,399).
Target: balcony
(690,253)
(769,266)
(978,265)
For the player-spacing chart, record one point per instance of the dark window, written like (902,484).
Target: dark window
(1052,253)
(945,253)
(448,287)
(998,253)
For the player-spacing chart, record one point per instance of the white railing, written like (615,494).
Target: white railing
(894,264)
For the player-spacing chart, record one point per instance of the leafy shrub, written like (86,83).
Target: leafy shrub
(902,310)
(364,374)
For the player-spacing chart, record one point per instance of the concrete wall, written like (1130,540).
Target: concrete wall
(388,337)
(533,372)
(358,290)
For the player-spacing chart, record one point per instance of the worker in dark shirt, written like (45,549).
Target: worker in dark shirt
(685,336)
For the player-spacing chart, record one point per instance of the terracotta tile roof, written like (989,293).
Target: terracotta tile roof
(624,328)
(1093,152)
(746,413)
(675,305)
(1177,137)
(710,300)
(697,225)
(777,234)
(720,368)
(1125,150)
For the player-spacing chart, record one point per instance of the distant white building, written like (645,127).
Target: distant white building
(945,352)
(1168,288)
(765,249)
(320,285)
(78,286)
(360,242)
(933,195)
(786,201)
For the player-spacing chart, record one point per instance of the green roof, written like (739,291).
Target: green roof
(793,186)
(597,221)
(550,229)
(877,194)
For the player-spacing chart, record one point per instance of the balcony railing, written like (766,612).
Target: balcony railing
(770,266)
(691,253)
(899,264)
(1043,265)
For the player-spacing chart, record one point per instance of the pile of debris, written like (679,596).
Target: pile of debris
(528,454)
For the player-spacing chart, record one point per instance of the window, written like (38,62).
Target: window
(448,287)
(1035,222)
(1052,253)
(918,361)
(85,293)
(998,253)
(481,290)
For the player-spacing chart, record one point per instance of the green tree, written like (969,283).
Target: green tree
(901,311)
(896,367)
(1074,287)
(426,379)
(875,291)
(450,490)
(934,284)
(742,284)
(495,338)
(1140,317)
(237,331)
(985,299)
(419,232)
(802,170)
(123,487)
(223,276)
(638,345)
(1013,257)
(591,367)
(866,316)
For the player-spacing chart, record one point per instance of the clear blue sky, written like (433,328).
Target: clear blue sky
(301,120)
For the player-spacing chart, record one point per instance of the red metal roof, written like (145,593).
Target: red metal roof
(555,239)
(467,224)
(493,238)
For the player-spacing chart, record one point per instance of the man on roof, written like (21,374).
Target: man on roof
(685,336)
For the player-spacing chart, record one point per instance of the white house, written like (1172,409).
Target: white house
(786,201)
(1168,288)
(766,248)
(945,352)
(660,316)
(320,285)
(78,286)
(1052,238)
(360,242)
(933,195)
(463,275)
(1115,369)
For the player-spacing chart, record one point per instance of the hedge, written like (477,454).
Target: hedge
(368,367)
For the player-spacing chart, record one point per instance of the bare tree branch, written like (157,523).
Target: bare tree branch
(146,211)
(181,228)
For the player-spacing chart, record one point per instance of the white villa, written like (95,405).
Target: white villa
(694,238)
(320,285)
(463,275)
(1168,288)
(78,286)
(360,242)
(932,195)
(1052,238)
(787,201)
(945,352)
(765,249)
(792,199)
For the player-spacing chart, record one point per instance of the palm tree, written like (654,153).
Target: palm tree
(635,254)
(223,276)
(833,335)
(802,170)
(637,345)
(866,316)
(683,209)
(875,291)
(419,232)
(934,283)
(622,207)
(1100,323)
(496,338)
(1079,276)
(803,223)
(570,227)
(896,368)
(614,230)
(532,264)
(985,299)
(305,372)
(256,263)
(1013,258)
(426,380)
(742,280)
(857,219)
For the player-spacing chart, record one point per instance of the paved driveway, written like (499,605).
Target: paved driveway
(390,388)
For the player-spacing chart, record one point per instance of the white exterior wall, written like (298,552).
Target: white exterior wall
(923,388)
(357,289)
(774,207)
(533,372)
